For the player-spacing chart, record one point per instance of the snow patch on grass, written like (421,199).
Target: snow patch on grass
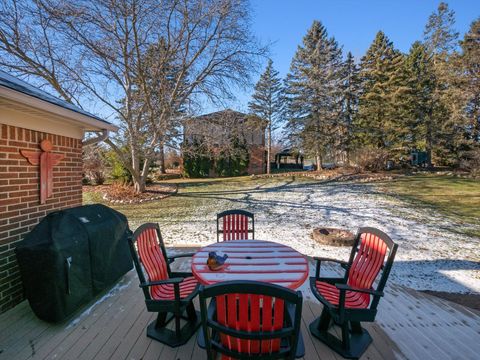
(432,255)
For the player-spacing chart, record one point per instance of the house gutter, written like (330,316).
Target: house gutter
(90,123)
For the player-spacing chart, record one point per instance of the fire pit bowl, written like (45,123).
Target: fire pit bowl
(333,236)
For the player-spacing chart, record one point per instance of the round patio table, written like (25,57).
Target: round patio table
(256,260)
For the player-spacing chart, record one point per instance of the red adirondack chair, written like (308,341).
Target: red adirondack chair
(235,225)
(251,320)
(168,293)
(351,299)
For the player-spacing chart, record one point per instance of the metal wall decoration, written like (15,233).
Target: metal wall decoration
(46,160)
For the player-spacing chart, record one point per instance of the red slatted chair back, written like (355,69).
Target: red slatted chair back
(257,312)
(368,261)
(254,313)
(152,256)
(235,225)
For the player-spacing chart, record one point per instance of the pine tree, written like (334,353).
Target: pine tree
(350,95)
(313,90)
(440,38)
(381,77)
(417,100)
(439,35)
(471,64)
(267,103)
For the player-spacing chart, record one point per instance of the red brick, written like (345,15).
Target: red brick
(8,227)
(20,144)
(9,149)
(9,162)
(18,231)
(18,181)
(8,201)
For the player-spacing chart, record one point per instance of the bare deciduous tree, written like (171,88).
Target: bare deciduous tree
(142,59)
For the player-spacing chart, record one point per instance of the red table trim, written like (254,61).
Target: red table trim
(269,262)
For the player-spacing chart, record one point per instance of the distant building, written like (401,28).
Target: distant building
(218,132)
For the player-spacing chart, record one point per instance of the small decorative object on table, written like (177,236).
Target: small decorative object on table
(214,261)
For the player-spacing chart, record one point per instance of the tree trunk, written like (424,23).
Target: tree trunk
(429,139)
(269,146)
(139,184)
(318,159)
(162,159)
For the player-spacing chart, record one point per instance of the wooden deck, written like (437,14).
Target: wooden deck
(410,325)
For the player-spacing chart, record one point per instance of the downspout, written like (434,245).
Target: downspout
(95,140)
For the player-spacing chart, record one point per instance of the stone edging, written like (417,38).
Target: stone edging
(335,177)
(106,198)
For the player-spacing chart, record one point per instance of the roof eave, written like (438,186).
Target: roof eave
(87,122)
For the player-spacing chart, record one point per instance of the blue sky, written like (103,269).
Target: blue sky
(353,23)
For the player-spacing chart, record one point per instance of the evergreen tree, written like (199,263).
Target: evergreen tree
(471,65)
(417,101)
(439,35)
(381,77)
(349,105)
(267,103)
(313,90)
(448,119)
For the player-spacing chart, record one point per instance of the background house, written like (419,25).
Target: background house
(28,116)
(225,132)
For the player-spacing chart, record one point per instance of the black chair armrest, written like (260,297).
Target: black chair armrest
(190,254)
(172,258)
(331,280)
(319,260)
(331,260)
(345,287)
(181,274)
(175,280)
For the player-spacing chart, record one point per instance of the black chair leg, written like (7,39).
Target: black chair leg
(158,330)
(355,340)
(191,313)
(356,327)
(325,320)
(345,336)
(161,320)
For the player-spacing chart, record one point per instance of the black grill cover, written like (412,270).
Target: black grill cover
(71,256)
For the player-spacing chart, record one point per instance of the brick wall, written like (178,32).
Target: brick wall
(20,208)
(256,164)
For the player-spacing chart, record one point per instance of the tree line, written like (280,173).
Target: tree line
(386,102)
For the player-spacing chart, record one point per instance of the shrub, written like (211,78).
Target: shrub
(370,159)
(118,172)
(94,165)
(196,165)
(471,163)
(234,163)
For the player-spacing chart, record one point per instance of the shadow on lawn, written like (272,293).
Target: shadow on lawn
(244,197)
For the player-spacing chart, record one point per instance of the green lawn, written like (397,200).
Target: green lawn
(455,197)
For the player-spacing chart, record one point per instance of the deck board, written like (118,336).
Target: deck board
(410,325)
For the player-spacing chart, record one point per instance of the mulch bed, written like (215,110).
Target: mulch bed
(122,194)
